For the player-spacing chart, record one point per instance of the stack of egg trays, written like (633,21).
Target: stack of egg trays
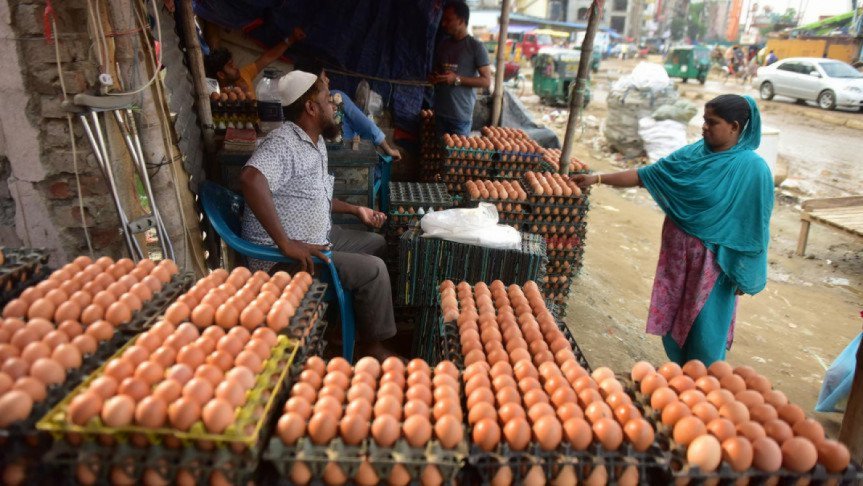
(425,262)
(144,317)
(651,465)
(308,327)
(679,468)
(236,453)
(22,268)
(448,461)
(426,341)
(573,210)
(410,200)
(431,154)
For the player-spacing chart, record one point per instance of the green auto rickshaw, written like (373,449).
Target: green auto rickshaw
(688,62)
(554,74)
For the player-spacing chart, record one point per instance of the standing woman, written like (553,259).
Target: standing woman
(717,196)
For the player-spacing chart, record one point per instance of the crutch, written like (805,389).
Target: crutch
(88,108)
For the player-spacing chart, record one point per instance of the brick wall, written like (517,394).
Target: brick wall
(38,197)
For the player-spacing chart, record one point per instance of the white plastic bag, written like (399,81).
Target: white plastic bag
(646,76)
(661,137)
(474,226)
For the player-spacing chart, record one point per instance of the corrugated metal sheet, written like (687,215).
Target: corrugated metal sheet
(181,100)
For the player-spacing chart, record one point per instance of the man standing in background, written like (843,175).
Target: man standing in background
(460,65)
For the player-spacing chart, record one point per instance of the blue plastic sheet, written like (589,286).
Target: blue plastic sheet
(838,378)
(387,39)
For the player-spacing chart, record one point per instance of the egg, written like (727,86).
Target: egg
(33,387)
(84,407)
(199,390)
(151,412)
(48,371)
(705,452)
(322,428)
(359,407)
(674,412)
(687,429)
(608,432)
(486,433)
(778,430)
(353,429)
(799,454)
(118,411)
(766,455)
(168,390)
(721,428)
(183,413)
(217,415)
(833,455)
(751,431)
(15,405)
(809,429)
(417,430)
(738,453)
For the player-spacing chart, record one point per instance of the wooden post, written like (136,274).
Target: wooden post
(576,96)
(804,236)
(851,433)
(196,66)
(497,98)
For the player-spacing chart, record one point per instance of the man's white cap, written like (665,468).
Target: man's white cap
(294,85)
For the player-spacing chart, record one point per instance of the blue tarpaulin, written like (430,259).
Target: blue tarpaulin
(385,39)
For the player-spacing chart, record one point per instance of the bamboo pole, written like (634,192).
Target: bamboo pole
(576,95)
(497,99)
(851,433)
(196,66)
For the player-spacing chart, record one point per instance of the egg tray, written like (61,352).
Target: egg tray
(147,316)
(577,206)
(566,254)
(135,461)
(419,194)
(40,274)
(283,457)
(315,342)
(22,265)
(557,229)
(725,475)
(269,389)
(307,315)
(427,339)
(29,452)
(448,461)
(650,465)
(122,333)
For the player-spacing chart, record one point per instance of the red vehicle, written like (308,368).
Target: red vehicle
(529,45)
(533,41)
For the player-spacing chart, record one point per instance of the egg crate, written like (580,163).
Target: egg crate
(414,459)
(650,465)
(267,392)
(141,319)
(28,453)
(427,343)
(557,229)
(316,457)
(425,262)
(307,315)
(450,343)
(559,213)
(22,267)
(419,194)
(147,316)
(568,267)
(566,254)
(203,465)
(314,343)
(680,470)
(467,153)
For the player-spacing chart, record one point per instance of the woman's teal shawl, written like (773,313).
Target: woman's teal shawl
(722,198)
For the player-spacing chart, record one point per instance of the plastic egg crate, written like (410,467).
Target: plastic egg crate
(684,414)
(102,350)
(554,213)
(21,267)
(560,230)
(90,462)
(310,444)
(245,430)
(576,199)
(427,340)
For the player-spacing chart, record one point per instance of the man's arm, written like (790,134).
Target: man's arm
(369,217)
(276,51)
(259,199)
(481,81)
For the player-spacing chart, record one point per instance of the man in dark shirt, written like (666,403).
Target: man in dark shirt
(460,65)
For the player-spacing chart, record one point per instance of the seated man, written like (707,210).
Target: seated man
(355,121)
(219,64)
(289,198)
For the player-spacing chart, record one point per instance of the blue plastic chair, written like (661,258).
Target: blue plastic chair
(224,208)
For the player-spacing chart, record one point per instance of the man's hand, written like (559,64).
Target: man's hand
(395,154)
(302,253)
(297,35)
(446,78)
(370,217)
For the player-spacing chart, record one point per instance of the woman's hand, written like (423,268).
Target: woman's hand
(738,292)
(584,180)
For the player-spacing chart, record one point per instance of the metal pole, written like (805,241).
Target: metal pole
(576,95)
(497,97)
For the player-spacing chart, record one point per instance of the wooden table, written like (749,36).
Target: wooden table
(842,213)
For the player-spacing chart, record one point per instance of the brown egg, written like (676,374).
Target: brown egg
(799,454)
(135,388)
(652,382)
(84,407)
(48,371)
(720,369)
(486,433)
(791,413)
(151,412)
(704,452)
(291,427)
(385,430)
(662,397)
(118,411)
(168,391)
(180,373)
(687,429)
(184,412)
(608,432)
(778,430)
(721,428)
(361,408)
(68,355)
(833,455)
(150,372)
(766,455)
(243,376)
(751,430)
(417,430)
(736,412)
(33,387)
(738,453)
(118,313)
(639,432)
(217,415)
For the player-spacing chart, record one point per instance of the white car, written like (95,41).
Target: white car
(828,82)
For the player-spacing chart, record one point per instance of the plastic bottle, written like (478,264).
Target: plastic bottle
(269,100)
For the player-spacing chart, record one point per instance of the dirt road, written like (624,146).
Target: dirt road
(790,332)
